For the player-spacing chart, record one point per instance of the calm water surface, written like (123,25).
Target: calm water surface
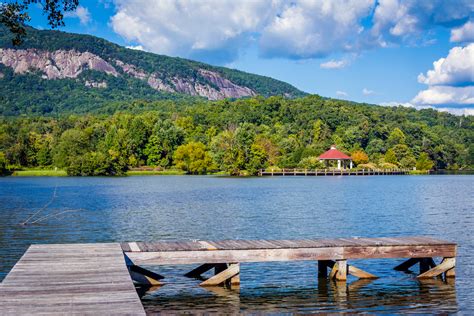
(182,207)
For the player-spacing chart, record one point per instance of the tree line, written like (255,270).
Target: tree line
(236,137)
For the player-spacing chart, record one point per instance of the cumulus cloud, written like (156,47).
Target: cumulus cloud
(446,95)
(81,13)
(464,33)
(451,81)
(452,110)
(308,29)
(334,64)
(192,28)
(457,69)
(367,92)
(396,20)
(218,30)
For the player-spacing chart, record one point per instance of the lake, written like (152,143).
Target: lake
(204,207)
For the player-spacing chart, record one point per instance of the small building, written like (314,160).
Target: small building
(335,155)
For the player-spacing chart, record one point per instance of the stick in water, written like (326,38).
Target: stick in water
(43,208)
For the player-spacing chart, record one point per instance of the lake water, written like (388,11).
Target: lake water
(192,207)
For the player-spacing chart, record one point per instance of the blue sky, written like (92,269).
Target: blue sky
(363,50)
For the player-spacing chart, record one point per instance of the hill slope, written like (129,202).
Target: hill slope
(54,71)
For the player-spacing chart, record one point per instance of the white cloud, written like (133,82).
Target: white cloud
(341,94)
(314,28)
(439,95)
(81,13)
(136,47)
(334,64)
(366,91)
(217,30)
(457,69)
(192,28)
(464,33)
(452,110)
(396,20)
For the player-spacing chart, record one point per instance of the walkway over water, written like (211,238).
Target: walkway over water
(332,172)
(97,278)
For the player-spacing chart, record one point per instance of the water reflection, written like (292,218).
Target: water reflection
(329,296)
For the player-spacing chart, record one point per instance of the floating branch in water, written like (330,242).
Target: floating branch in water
(43,208)
(54,215)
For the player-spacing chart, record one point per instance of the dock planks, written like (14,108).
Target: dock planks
(286,250)
(70,279)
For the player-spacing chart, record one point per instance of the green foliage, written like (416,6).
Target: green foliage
(424,162)
(396,137)
(390,157)
(193,158)
(241,136)
(3,165)
(310,163)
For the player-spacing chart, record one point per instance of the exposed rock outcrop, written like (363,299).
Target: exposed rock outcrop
(61,64)
(55,65)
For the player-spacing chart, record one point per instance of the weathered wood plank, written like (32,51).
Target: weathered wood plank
(445,265)
(221,277)
(70,279)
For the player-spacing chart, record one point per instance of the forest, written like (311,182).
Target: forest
(236,137)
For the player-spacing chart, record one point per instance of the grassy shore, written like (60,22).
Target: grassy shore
(171,172)
(40,173)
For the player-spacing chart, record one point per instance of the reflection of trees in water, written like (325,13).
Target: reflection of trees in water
(427,296)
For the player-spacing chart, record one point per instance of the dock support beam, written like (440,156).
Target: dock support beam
(141,275)
(446,266)
(340,269)
(226,274)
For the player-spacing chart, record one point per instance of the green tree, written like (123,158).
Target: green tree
(310,163)
(166,137)
(193,158)
(73,143)
(396,137)
(390,157)
(424,162)
(257,159)
(3,164)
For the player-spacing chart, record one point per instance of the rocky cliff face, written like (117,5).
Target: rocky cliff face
(62,64)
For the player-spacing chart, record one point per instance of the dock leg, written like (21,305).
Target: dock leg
(339,271)
(446,265)
(141,275)
(359,273)
(426,264)
(224,275)
(407,264)
(323,266)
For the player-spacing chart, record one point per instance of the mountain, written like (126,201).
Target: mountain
(54,71)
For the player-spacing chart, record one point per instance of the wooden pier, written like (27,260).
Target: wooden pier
(97,278)
(332,172)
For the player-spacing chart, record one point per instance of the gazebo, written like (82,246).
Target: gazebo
(333,154)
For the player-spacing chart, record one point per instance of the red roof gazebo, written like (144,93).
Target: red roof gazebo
(334,154)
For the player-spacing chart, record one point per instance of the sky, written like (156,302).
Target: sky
(388,52)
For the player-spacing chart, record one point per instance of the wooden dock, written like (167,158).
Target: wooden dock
(72,279)
(332,172)
(98,278)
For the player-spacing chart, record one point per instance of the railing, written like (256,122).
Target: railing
(330,172)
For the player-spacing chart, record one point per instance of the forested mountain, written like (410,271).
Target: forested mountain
(237,137)
(55,72)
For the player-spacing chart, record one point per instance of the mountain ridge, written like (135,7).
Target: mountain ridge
(64,70)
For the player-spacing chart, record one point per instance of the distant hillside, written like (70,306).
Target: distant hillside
(54,71)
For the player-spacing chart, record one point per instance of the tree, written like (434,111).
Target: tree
(390,157)
(14,15)
(257,159)
(396,137)
(193,158)
(166,137)
(359,157)
(3,164)
(424,162)
(310,163)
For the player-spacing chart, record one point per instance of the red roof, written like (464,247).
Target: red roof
(333,153)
